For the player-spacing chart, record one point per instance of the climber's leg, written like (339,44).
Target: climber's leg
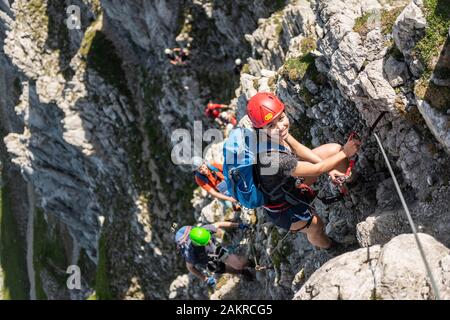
(325,151)
(315,231)
(236,262)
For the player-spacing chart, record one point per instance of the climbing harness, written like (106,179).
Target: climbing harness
(411,222)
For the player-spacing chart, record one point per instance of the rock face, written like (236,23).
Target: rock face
(87,116)
(408,29)
(381,227)
(394,271)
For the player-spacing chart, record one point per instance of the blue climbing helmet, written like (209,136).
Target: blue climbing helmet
(182,236)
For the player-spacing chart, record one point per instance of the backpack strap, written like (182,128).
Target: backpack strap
(184,238)
(202,177)
(258,178)
(214,169)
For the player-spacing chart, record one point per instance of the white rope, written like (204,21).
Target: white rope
(411,222)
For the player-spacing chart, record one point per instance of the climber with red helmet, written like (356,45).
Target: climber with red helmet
(213,110)
(220,114)
(294,162)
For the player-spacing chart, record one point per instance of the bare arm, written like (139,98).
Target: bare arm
(308,169)
(226,224)
(195,272)
(303,152)
(218,195)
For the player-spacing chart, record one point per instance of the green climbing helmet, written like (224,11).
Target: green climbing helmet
(200,236)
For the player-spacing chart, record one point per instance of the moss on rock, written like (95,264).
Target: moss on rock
(295,68)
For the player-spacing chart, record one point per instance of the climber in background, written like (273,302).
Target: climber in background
(222,115)
(237,66)
(210,177)
(298,168)
(204,254)
(177,56)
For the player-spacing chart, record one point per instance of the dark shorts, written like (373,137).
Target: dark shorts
(216,264)
(216,267)
(284,219)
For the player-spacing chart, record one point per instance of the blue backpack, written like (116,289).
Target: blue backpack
(182,239)
(240,152)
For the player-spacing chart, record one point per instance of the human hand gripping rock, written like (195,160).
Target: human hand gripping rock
(335,175)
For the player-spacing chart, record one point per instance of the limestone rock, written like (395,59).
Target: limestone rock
(408,25)
(393,271)
(437,122)
(381,227)
(378,91)
(396,72)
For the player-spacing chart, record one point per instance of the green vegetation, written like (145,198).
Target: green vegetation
(93,296)
(429,50)
(277,18)
(37,15)
(361,26)
(388,19)
(295,68)
(12,252)
(272,82)
(48,253)
(102,57)
(303,68)
(308,44)
(96,7)
(437,96)
(437,14)
(245,68)
(283,251)
(279,28)
(102,284)
(275,238)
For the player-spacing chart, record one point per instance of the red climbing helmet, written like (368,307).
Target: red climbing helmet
(263,107)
